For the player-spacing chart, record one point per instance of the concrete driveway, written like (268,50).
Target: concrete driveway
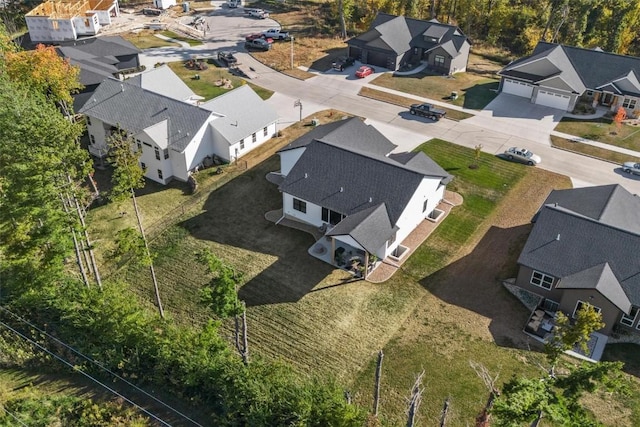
(515,115)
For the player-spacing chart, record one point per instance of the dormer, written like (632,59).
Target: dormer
(435,33)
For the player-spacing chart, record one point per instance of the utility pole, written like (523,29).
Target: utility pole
(292,52)
(298,103)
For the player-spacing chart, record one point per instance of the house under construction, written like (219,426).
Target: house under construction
(58,20)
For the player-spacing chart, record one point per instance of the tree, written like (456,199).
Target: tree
(39,151)
(127,177)
(221,294)
(567,335)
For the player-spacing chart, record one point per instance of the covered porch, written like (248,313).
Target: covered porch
(352,258)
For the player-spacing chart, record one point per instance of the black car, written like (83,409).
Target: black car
(343,62)
(257,44)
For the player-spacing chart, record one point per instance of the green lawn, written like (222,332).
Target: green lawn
(474,91)
(145,39)
(171,34)
(590,150)
(603,130)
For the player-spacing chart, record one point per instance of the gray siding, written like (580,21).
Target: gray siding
(610,313)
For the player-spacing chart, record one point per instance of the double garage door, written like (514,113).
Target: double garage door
(553,100)
(515,87)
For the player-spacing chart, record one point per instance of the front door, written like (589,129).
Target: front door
(606,99)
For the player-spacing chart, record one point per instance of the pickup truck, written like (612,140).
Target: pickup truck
(343,62)
(427,110)
(276,34)
(227,58)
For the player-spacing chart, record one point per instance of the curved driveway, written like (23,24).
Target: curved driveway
(339,90)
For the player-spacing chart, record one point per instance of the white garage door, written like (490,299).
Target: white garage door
(553,100)
(515,87)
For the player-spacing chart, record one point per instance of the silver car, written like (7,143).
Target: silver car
(631,167)
(522,155)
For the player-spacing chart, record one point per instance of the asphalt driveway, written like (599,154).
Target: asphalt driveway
(515,115)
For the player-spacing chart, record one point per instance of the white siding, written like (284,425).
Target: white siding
(98,130)
(289,158)
(553,99)
(200,147)
(312,216)
(515,87)
(349,241)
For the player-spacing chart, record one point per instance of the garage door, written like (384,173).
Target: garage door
(377,58)
(515,87)
(553,100)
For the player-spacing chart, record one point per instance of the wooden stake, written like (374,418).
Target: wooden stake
(376,395)
(245,340)
(415,400)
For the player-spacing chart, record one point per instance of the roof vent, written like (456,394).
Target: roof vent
(342,189)
(188,134)
(558,237)
(121,87)
(370,199)
(306,175)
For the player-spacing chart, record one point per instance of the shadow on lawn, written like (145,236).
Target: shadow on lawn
(474,282)
(479,96)
(233,215)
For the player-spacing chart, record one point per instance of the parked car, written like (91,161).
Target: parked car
(259,13)
(631,167)
(276,34)
(364,71)
(343,62)
(227,58)
(257,44)
(258,36)
(522,155)
(427,110)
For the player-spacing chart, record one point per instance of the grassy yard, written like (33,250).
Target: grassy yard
(590,150)
(145,39)
(207,86)
(474,91)
(403,101)
(603,130)
(171,34)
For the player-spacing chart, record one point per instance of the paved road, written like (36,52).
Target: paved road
(496,129)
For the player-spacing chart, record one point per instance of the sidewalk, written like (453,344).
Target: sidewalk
(169,39)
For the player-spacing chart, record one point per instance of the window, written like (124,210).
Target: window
(264,132)
(331,217)
(253,138)
(589,93)
(88,121)
(439,60)
(55,25)
(300,205)
(242,144)
(157,153)
(629,319)
(629,103)
(581,304)
(424,206)
(166,153)
(160,173)
(549,305)
(143,166)
(542,280)
(93,139)
(139,146)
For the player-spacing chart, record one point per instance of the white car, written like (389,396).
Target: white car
(258,13)
(522,155)
(631,168)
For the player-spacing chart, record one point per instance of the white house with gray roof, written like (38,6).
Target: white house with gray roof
(340,178)
(559,76)
(175,136)
(583,249)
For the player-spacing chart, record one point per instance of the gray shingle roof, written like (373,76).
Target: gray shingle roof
(370,227)
(99,46)
(164,81)
(601,278)
(595,68)
(400,34)
(350,181)
(609,204)
(563,243)
(243,113)
(352,133)
(135,109)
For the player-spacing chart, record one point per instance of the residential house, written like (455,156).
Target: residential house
(164,81)
(583,249)
(559,76)
(175,136)
(341,178)
(393,41)
(59,20)
(98,58)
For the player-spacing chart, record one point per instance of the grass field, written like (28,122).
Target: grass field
(171,34)
(146,39)
(603,130)
(590,150)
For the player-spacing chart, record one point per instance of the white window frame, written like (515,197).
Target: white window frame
(265,131)
(439,60)
(629,103)
(157,150)
(242,144)
(628,320)
(538,279)
(254,138)
(578,304)
(160,174)
(166,153)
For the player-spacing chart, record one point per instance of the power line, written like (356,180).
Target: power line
(13,416)
(98,364)
(155,417)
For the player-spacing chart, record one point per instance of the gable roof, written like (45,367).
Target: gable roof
(594,67)
(242,112)
(352,134)
(601,278)
(99,47)
(135,109)
(399,34)
(164,81)
(370,227)
(608,204)
(564,243)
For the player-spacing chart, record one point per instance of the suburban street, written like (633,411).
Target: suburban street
(518,123)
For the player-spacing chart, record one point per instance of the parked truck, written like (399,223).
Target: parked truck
(427,110)
(276,34)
